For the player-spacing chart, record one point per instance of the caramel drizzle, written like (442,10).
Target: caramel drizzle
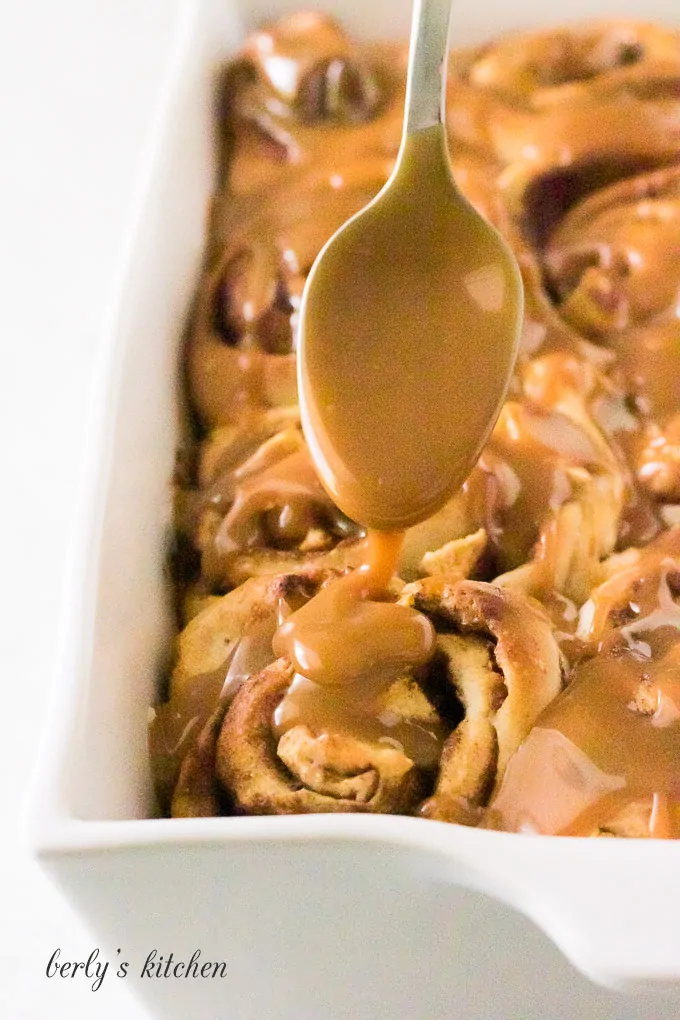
(348,644)
(611,741)
(297,156)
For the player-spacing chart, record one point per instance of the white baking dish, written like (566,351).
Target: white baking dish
(325,917)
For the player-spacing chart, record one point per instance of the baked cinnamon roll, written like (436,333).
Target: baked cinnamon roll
(259,508)
(343,758)
(603,93)
(308,768)
(240,353)
(602,759)
(505,666)
(225,643)
(317,120)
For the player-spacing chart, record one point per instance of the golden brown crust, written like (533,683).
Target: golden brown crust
(461,556)
(506,668)
(525,651)
(196,794)
(326,773)
(265,563)
(207,642)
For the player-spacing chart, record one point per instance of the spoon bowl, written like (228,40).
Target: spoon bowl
(409,324)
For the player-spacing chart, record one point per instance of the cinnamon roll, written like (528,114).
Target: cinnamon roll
(602,759)
(311,768)
(599,95)
(506,668)
(258,507)
(224,644)
(317,122)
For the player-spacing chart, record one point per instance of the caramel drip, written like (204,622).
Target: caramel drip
(175,726)
(348,647)
(346,635)
(177,723)
(359,710)
(525,472)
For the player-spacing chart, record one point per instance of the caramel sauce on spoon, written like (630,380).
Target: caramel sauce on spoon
(408,333)
(408,336)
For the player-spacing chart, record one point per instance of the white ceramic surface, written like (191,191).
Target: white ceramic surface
(321,916)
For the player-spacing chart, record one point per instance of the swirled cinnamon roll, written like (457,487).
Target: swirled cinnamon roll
(505,666)
(315,121)
(286,746)
(335,761)
(258,507)
(602,759)
(603,93)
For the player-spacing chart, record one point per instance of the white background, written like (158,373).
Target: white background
(79,80)
(78,84)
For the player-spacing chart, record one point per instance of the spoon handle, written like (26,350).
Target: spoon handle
(427,65)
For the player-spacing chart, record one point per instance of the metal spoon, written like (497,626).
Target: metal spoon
(409,323)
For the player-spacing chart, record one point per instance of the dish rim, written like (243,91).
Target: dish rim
(535,874)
